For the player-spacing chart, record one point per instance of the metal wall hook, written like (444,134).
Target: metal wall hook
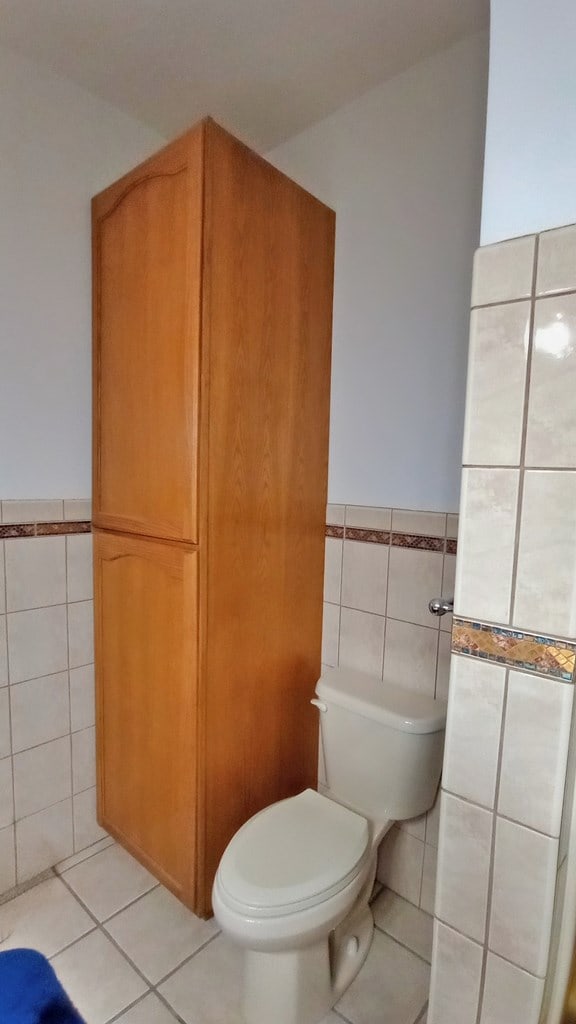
(441,605)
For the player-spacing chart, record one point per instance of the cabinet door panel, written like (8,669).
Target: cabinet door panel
(146,659)
(146,253)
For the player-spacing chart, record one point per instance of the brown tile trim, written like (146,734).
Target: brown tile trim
(9,531)
(515,648)
(334,531)
(368,536)
(413,540)
(451,547)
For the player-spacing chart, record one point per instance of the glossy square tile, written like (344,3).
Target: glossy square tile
(5,741)
(82,855)
(6,797)
(32,511)
(43,839)
(400,861)
(365,576)
(365,517)
(35,572)
(7,865)
(83,759)
(431,524)
(109,881)
(333,570)
(206,990)
(361,641)
(522,896)
(78,509)
(503,271)
(79,567)
(456,973)
(158,933)
(429,874)
(452,525)
(473,729)
(557,261)
(410,656)
(46,918)
(3,652)
(330,634)
(82,697)
(536,735)
(545,598)
(486,544)
(40,710)
(37,643)
(86,828)
(2,579)
(443,667)
(510,994)
(433,821)
(415,577)
(147,1011)
(41,776)
(499,337)
(81,633)
(464,854)
(335,514)
(98,979)
(551,431)
(392,987)
(404,922)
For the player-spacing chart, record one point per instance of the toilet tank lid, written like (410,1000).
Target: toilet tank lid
(382,701)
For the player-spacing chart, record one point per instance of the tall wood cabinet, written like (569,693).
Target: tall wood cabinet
(212,323)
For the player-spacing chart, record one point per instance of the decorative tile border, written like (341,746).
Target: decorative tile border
(335,531)
(10,530)
(515,648)
(420,542)
(368,536)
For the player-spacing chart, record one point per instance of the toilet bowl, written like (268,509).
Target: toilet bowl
(293,886)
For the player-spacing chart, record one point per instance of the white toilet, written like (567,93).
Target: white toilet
(294,883)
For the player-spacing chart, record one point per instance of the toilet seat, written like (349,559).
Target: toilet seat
(293,855)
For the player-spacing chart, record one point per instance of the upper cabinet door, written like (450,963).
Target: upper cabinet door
(147,237)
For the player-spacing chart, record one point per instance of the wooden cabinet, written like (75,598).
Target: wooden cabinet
(212,323)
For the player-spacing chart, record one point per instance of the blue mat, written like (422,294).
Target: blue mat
(30,992)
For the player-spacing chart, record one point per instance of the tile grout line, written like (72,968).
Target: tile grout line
(72,804)
(403,945)
(504,817)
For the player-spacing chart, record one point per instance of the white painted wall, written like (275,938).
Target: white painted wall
(58,146)
(530,170)
(402,166)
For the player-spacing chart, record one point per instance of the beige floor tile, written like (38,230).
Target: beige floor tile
(149,1010)
(391,988)
(158,933)
(207,989)
(404,922)
(98,979)
(46,918)
(109,881)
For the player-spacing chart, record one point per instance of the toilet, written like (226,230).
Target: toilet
(294,883)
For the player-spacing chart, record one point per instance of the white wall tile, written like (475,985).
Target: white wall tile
(429,873)
(456,973)
(79,567)
(496,381)
(40,711)
(35,572)
(536,735)
(82,698)
(81,633)
(332,569)
(510,994)
(2,579)
(330,634)
(361,641)
(452,525)
(448,588)
(503,271)
(551,432)
(7,859)
(365,576)
(77,509)
(32,511)
(86,828)
(522,896)
(415,577)
(557,261)
(42,776)
(410,656)
(545,599)
(5,743)
(473,729)
(430,524)
(6,798)
(37,643)
(83,760)
(443,667)
(464,853)
(415,827)
(400,863)
(365,517)
(433,821)
(3,652)
(43,839)
(335,514)
(486,543)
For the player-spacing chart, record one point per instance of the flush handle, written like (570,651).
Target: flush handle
(320,705)
(441,605)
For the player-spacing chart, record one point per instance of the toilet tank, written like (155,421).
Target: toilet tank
(382,744)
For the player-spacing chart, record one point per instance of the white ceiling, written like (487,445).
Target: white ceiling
(265,68)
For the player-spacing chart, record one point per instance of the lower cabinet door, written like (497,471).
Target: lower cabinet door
(146,634)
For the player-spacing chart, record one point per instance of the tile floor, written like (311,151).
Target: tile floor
(127,951)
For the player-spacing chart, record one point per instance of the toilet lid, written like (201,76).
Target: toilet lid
(293,854)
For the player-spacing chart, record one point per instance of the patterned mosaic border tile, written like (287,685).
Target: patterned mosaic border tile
(420,542)
(515,648)
(367,536)
(12,530)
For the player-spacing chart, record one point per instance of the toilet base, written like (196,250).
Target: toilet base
(300,986)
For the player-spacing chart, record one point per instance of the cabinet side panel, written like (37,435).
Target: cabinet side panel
(146,658)
(146,255)
(267,318)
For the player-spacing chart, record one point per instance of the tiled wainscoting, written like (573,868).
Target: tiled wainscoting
(382,568)
(47,763)
(511,688)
